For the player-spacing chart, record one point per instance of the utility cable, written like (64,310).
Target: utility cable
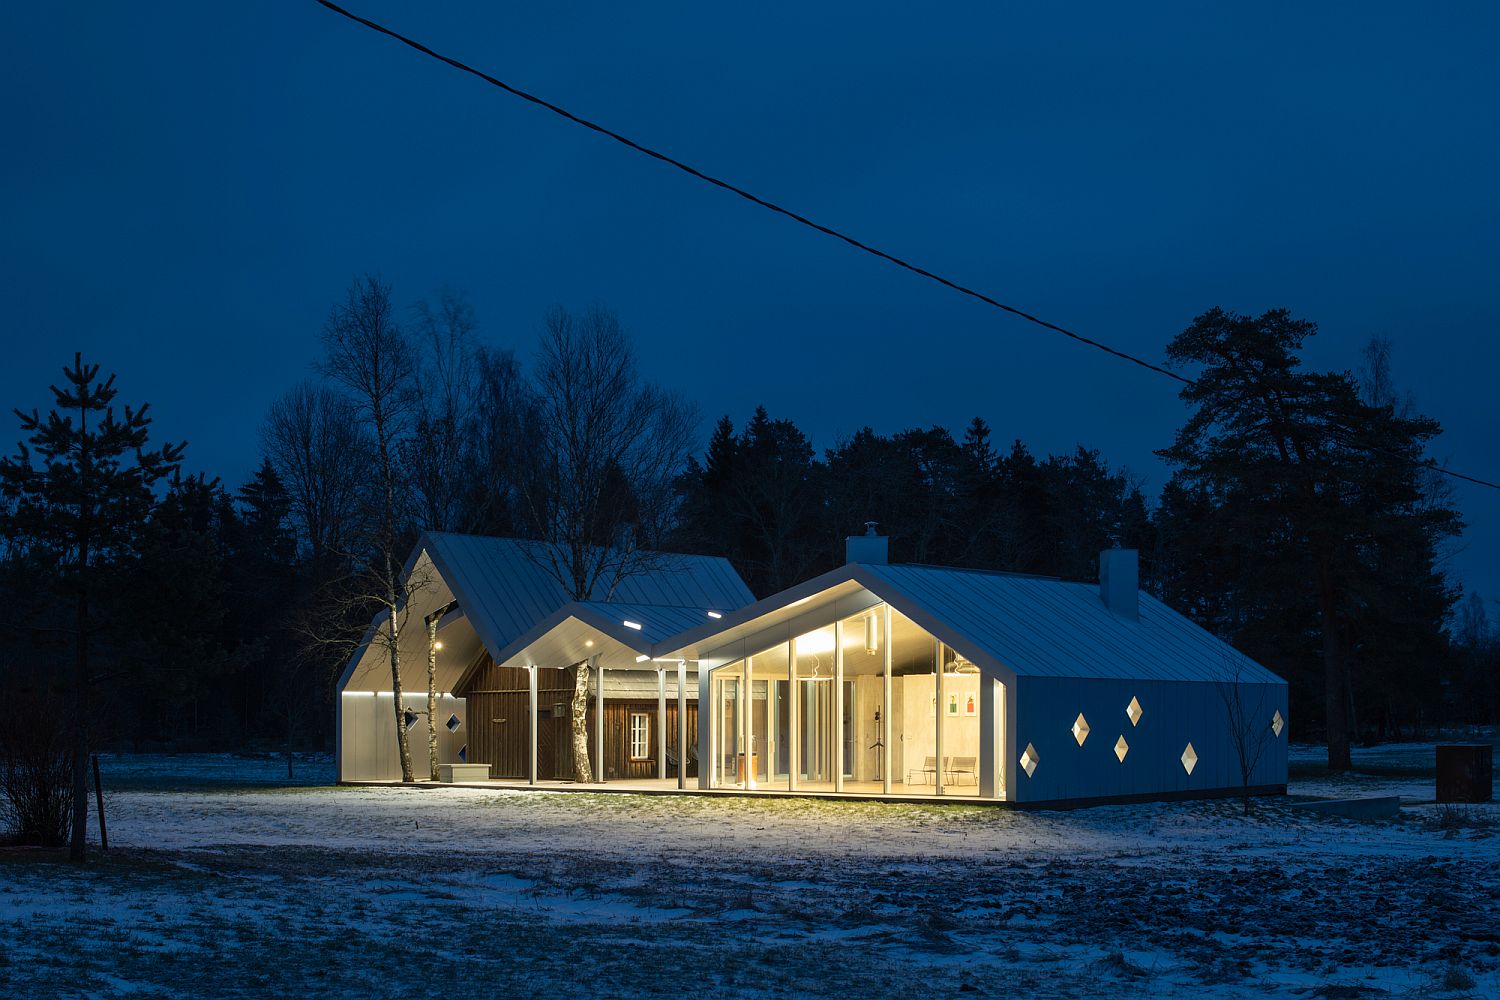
(802,219)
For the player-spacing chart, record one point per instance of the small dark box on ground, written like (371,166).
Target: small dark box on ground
(1465,772)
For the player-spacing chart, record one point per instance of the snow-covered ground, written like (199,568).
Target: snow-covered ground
(224,879)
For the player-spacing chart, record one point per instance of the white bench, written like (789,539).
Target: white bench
(463,772)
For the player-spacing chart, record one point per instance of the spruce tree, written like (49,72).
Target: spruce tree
(80,485)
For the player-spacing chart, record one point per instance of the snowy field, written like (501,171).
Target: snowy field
(224,879)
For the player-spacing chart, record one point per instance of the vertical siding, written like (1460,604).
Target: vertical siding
(1175,713)
(499,726)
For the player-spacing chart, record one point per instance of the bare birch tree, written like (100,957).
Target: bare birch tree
(369,356)
(312,436)
(437,453)
(609,445)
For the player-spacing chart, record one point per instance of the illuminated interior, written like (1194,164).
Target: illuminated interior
(834,709)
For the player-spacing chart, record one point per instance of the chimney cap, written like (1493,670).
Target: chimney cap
(867,548)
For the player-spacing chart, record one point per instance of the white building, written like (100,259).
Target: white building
(873,680)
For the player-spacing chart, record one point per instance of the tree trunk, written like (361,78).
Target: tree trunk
(581,769)
(402,743)
(1334,687)
(432,731)
(78,845)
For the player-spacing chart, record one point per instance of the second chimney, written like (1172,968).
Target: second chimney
(1119,582)
(867,548)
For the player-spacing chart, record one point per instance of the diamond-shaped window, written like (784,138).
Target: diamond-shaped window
(1135,711)
(1121,749)
(1029,760)
(410,718)
(1080,729)
(463,754)
(1189,759)
(453,723)
(1277,723)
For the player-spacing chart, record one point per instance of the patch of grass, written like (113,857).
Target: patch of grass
(1457,980)
(1450,817)
(1116,964)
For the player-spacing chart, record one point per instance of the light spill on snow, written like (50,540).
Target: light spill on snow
(230,885)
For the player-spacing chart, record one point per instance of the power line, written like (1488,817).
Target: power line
(797,217)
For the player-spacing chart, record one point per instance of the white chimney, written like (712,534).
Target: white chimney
(1119,582)
(867,548)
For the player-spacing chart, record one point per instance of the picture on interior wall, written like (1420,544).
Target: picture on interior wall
(953,705)
(971,707)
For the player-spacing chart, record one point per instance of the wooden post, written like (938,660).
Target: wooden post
(99,800)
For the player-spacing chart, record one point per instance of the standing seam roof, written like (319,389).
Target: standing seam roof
(1042,627)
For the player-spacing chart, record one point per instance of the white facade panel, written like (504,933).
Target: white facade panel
(367,749)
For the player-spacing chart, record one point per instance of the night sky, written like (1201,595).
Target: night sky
(188,187)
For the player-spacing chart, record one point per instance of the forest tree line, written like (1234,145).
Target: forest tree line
(1301,520)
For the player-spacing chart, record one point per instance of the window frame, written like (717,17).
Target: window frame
(645,734)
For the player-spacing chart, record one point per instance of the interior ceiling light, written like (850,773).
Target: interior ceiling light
(642,658)
(872,634)
(589,643)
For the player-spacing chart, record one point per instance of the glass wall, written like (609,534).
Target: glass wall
(869,704)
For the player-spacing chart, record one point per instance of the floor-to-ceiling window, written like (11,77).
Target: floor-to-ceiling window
(865,715)
(872,703)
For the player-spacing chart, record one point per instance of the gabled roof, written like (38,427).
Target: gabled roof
(1026,626)
(1041,627)
(509,598)
(506,589)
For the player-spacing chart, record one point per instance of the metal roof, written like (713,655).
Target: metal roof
(1026,625)
(506,588)
(1047,628)
(508,596)
(657,623)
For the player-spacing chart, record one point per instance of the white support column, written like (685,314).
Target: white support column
(704,729)
(708,738)
(942,710)
(599,724)
(531,728)
(889,710)
(749,730)
(838,706)
(989,746)
(661,722)
(794,716)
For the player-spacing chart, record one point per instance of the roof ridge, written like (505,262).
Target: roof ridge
(978,570)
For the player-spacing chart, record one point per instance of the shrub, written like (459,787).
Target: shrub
(36,772)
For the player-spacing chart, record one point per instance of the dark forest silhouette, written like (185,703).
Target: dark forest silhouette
(1300,523)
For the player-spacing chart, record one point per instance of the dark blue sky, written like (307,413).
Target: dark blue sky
(187,187)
